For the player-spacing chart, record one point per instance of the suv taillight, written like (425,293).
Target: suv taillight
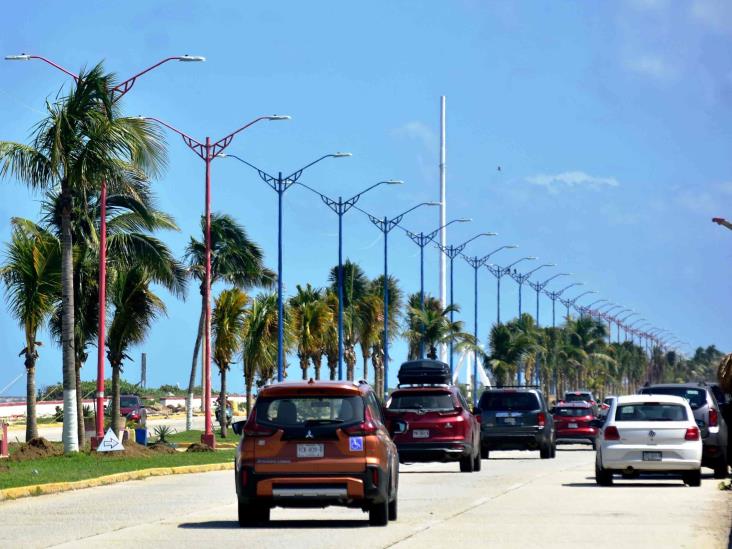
(692,433)
(254,429)
(713,417)
(611,433)
(541,419)
(366,427)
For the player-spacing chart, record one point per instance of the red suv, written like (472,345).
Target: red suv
(573,422)
(433,422)
(315,444)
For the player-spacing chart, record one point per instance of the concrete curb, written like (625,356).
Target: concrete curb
(56,487)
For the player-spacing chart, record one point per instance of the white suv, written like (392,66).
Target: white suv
(649,434)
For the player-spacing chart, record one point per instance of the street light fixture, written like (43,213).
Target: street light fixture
(521,278)
(557,295)
(340,207)
(539,287)
(499,272)
(116,93)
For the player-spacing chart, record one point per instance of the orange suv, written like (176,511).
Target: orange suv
(315,444)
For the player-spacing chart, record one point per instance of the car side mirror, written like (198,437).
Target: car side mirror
(459,409)
(238,427)
(597,423)
(552,410)
(400,427)
(476,411)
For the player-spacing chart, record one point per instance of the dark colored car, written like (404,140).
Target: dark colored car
(708,417)
(434,423)
(131,407)
(316,444)
(573,422)
(516,419)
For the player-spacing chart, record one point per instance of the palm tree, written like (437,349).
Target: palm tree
(330,341)
(355,286)
(32,277)
(259,342)
(235,260)
(433,328)
(370,326)
(227,323)
(82,141)
(135,309)
(311,319)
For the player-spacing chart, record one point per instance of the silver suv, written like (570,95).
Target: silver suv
(708,417)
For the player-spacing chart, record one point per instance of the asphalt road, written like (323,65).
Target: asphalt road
(517,500)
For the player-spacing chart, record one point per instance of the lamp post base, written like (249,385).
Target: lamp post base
(209,440)
(95,442)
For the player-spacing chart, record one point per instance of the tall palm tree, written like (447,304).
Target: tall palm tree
(82,141)
(259,342)
(412,332)
(355,286)
(311,318)
(32,277)
(434,328)
(376,287)
(370,326)
(227,323)
(235,260)
(330,340)
(135,309)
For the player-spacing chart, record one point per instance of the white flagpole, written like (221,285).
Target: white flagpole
(443,219)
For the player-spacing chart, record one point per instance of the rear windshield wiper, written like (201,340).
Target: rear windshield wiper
(322,421)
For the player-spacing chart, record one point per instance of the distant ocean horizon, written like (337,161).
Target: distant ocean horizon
(11,399)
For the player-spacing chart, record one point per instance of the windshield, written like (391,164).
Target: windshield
(696,397)
(650,411)
(315,410)
(522,402)
(128,402)
(577,397)
(437,401)
(572,412)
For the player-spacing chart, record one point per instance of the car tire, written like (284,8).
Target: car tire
(252,514)
(477,462)
(485,453)
(379,514)
(720,468)
(692,478)
(545,451)
(603,477)
(466,464)
(393,508)
(554,450)
(594,444)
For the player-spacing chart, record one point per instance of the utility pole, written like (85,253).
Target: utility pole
(143,371)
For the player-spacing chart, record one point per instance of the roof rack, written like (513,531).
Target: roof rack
(517,387)
(404,385)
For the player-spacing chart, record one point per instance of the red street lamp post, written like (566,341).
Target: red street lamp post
(116,93)
(207,151)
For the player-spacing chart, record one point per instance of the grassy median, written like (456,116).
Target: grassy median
(83,466)
(195,436)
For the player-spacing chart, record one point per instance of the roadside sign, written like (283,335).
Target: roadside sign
(110,443)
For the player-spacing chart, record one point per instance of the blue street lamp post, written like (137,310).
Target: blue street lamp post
(569,303)
(499,272)
(521,278)
(385,225)
(340,207)
(280,184)
(422,240)
(539,287)
(452,252)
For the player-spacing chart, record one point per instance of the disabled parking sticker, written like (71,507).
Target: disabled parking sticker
(355,444)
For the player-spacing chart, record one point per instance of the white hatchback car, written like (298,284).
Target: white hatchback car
(649,434)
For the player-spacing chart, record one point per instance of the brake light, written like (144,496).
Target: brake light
(713,418)
(611,433)
(366,427)
(541,419)
(254,429)
(375,476)
(692,433)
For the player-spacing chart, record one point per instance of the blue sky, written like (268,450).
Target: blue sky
(611,122)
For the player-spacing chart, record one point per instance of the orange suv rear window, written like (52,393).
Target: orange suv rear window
(302,411)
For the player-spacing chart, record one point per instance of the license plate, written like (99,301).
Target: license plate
(573,426)
(310,450)
(421,433)
(509,420)
(651,456)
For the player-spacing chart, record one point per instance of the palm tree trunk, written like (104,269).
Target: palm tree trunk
(79,404)
(248,386)
(69,434)
(304,365)
(115,398)
(31,426)
(194,362)
(222,402)
(317,359)
(366,357)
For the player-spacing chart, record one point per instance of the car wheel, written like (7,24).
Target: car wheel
(594,444)
(692,478)
(554,450)
(476,462)
(603,477)
(379,514)
(393,508)
(466,464)
(251,514)
(720,468)
(485,453)
(545,451)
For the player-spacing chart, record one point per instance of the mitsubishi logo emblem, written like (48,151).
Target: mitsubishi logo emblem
(309,434)
(651,433)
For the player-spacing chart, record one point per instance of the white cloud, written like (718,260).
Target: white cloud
(571,179)
(421,132)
